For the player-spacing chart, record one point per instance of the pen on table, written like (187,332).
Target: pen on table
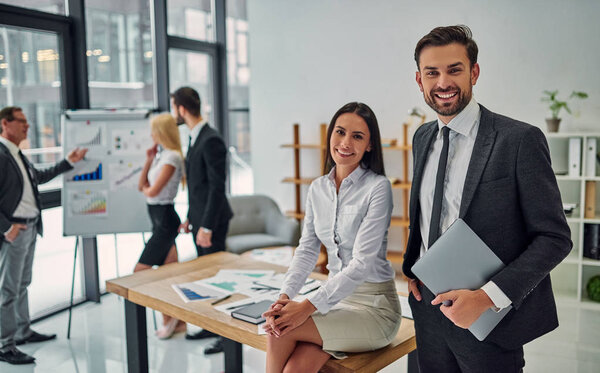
(220,300)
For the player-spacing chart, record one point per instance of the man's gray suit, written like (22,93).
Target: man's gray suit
(16,258)
(512,201)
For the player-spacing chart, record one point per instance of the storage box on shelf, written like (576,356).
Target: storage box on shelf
(575,163)
(402,183)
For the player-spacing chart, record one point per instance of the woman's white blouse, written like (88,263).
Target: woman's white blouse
(169,191)
(353,226)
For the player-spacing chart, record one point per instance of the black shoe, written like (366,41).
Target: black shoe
(214,348)
(14,356)
(201,335)
(35,337)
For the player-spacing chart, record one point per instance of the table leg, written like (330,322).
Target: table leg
(137,339)
(233,356)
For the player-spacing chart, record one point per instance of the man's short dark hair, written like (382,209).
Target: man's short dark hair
(188,98)
(445,35)
(8,113)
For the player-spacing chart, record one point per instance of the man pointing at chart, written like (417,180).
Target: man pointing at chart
(495,174)
(20,224)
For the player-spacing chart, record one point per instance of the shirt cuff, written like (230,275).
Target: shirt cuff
(319,300)
(497,296)
(69,162)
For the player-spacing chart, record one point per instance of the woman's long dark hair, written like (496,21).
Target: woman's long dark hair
(373,159)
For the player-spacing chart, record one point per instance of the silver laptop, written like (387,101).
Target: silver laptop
(461,260)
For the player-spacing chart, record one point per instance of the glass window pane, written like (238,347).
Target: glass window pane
(51,288)
(238,79)
(50,6)
(119,50)
(191,19)
(30,78)
(194,70)
(240,169)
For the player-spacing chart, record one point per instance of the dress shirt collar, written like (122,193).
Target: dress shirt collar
(353,177)
(464,122)
(12,148)
(196,130)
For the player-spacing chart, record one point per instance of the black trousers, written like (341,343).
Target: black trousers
(444,347)
(219,234)
(165,227)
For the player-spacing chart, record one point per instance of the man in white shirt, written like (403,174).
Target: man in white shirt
(20,224)
(495,174)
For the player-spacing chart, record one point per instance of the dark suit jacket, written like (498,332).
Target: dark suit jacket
(205,166)
(11,185)
(512,201)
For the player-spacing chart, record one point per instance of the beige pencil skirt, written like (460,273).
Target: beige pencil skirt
(366,320)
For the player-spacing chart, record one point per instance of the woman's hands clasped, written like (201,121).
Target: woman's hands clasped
(285,315)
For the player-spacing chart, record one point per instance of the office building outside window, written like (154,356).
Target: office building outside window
(238,78)
(49,6)
(30,78)
(191,19)
(119,54)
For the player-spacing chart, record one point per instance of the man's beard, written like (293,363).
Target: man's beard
(179,120)
(463,100)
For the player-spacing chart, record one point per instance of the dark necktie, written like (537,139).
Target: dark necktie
(438,196)
(25,163)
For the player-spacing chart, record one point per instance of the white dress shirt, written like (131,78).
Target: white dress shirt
(27,207)
(463,132)
(169,191)
(353,226)
(194,132)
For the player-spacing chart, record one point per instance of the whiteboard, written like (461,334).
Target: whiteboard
(100,193)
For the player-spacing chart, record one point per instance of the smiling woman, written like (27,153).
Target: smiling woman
(348,210)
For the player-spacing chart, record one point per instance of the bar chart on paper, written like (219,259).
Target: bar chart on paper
(88,203)
(89,176)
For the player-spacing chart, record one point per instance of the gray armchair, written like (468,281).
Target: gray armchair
(258,222)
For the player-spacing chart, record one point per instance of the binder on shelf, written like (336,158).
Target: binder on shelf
(574,156)
(590,157)
(591,241)
(590,200)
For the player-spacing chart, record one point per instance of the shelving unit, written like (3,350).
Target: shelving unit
(569,278)
(403,184)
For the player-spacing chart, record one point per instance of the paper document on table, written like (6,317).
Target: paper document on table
(195,291)
(276,282)
(281,256)
(238,280)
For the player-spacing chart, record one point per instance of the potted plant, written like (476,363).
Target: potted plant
(555,105)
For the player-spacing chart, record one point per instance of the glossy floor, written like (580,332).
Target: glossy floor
(97,345)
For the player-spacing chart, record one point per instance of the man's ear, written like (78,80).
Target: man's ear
(418,79)
(474,73)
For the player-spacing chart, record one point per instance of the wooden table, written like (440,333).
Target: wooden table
(152,288)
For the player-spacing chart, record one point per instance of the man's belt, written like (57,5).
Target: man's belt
(24,220)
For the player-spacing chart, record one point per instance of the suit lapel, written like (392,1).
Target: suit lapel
(4,149)
(196,145)
(430,131)
(484,142)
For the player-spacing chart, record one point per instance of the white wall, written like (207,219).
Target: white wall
(310,57)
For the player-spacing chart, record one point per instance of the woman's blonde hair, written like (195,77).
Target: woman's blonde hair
(165,129)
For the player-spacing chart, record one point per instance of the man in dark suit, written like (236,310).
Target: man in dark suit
(20,224)
(494,173)
(206,171)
